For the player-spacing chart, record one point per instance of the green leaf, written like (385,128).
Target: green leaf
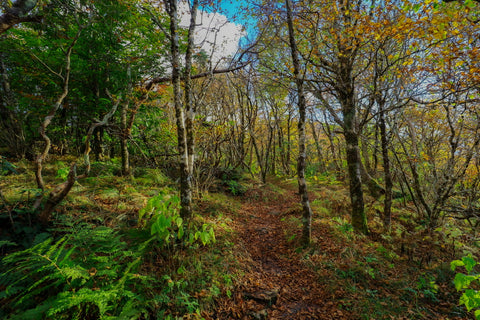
(191,238)
(471,299)
(181,270)
(204,238)
(180,232)
(456,263)
(179,222)
(462,281)
(470,4)
(212,235)
(469,263)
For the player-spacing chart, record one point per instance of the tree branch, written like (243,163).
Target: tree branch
(196,76)
(18,14)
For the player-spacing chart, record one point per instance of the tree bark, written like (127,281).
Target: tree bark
(321,161)
(302,106)
(345,88)
(92,129)
(347,100)
(123,140)
(328,132)
(185,175)
(359,220)
(369,169)
(62,190)
(125,132)
(189,109)
(387,205)
(57,195)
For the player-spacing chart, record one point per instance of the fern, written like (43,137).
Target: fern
(91,271)
(37,269)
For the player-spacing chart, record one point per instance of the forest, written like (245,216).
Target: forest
(318,160)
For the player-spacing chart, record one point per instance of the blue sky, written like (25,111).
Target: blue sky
(236,11)
(220,32)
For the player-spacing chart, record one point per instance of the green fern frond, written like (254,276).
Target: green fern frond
(101,298)
(91,271)
(36,313)
(7,243)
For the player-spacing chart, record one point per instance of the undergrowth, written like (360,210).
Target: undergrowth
(102,259)
(88,274)
(107,258)
(400,274)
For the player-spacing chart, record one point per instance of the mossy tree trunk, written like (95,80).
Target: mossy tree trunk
(302,106)
(387,206)
(345,88)
(184,111)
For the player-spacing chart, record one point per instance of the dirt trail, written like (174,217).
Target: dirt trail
(276,284)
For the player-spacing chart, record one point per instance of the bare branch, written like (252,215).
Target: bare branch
(196,76)
(92,128)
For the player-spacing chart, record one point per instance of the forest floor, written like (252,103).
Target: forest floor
(342,275)
(276,283)
(257,268)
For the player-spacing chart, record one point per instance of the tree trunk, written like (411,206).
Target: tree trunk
(48,119)
(123,140)
(302,106)
(190,111)
(185,183)
(62,190)
(369,169)
(359,219)
(97,144)
(375,189)
(242,135)
(260,159)
(319,148)
(345,88)
(346,95)
(328,132)
(57,195)
(289,141)
(271,146)
(184,127)
(92,129)
(387,206)
(125,132)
